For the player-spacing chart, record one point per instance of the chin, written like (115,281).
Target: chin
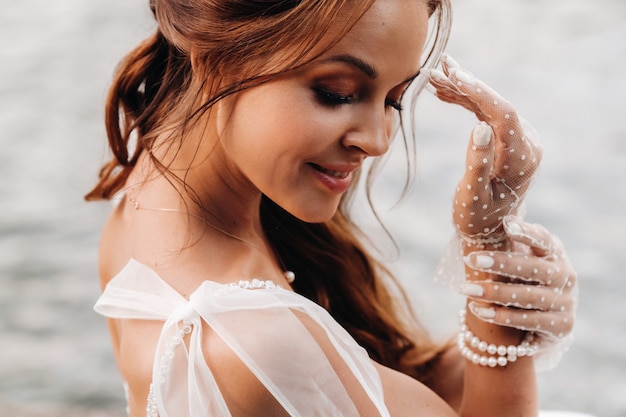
(313,216)
(309,210)
(312,213)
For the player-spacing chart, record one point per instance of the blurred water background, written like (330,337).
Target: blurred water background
(562,63)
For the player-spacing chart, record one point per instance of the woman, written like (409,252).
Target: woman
(235,281)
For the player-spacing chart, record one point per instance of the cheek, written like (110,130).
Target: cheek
(280,127)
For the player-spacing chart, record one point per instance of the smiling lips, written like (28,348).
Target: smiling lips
(335,180)
(332,173)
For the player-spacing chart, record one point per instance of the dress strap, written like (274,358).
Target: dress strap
(137,292)
(296,350)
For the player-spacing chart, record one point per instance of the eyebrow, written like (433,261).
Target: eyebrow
(355,62)
(363,66)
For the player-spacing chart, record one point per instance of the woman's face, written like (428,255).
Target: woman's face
(299,139)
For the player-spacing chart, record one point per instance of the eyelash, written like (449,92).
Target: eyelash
(396,105)
(331,99)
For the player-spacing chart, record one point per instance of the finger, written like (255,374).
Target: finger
(552,324)
(535,236)
(474,193)
(517,156)
(549,272)
(492,107)
(521,296)
(517,152)
(452,96)
(447,91)
(479,157)
(448,63)
(515,265)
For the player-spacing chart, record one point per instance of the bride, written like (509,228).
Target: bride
(236,283)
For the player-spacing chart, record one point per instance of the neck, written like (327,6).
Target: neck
(202,181)
(216,227)
(207,209)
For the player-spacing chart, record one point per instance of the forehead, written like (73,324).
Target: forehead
(390,35)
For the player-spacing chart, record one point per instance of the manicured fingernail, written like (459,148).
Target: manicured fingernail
(437,75)
(450,62)
(513,227)
(462,76)
(480,261)
(483,312)
(472,290)
(481,136)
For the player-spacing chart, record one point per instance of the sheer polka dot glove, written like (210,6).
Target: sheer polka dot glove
(523,278)
(501,158)
(535,288)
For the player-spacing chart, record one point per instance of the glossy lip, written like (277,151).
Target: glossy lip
(336,178)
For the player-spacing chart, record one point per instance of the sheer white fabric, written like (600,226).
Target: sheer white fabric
(274,332)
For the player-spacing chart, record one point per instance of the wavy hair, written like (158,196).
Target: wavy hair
(158,88)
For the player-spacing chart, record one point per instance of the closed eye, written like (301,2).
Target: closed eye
(396,105)
(332,99)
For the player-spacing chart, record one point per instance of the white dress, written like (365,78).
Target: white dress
(267,327)
(292,345)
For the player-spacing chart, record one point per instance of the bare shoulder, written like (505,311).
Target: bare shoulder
(115,251)
(149,236)
(247,396)
(242,391)
(406,396)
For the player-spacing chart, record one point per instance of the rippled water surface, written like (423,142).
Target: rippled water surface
(562,63)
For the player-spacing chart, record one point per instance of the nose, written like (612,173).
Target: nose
(371,133)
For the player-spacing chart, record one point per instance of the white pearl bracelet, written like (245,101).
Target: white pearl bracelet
(498,355)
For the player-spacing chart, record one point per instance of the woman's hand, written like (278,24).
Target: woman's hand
(535,289)
(501,158)
(518,275)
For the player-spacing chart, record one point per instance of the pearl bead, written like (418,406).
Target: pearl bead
(290,276)
(498,355)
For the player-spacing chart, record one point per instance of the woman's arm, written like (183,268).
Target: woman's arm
(509,390)
(294,342)
(520,286)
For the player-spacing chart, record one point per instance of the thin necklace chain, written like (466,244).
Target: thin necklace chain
(289,275)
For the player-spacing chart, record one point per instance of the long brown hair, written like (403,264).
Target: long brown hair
(160,84)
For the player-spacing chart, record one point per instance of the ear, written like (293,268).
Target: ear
(196,62)
(212,80)
(224,110)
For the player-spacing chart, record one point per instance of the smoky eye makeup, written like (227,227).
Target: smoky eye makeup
(335,92)
(330,98)
(334,98)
